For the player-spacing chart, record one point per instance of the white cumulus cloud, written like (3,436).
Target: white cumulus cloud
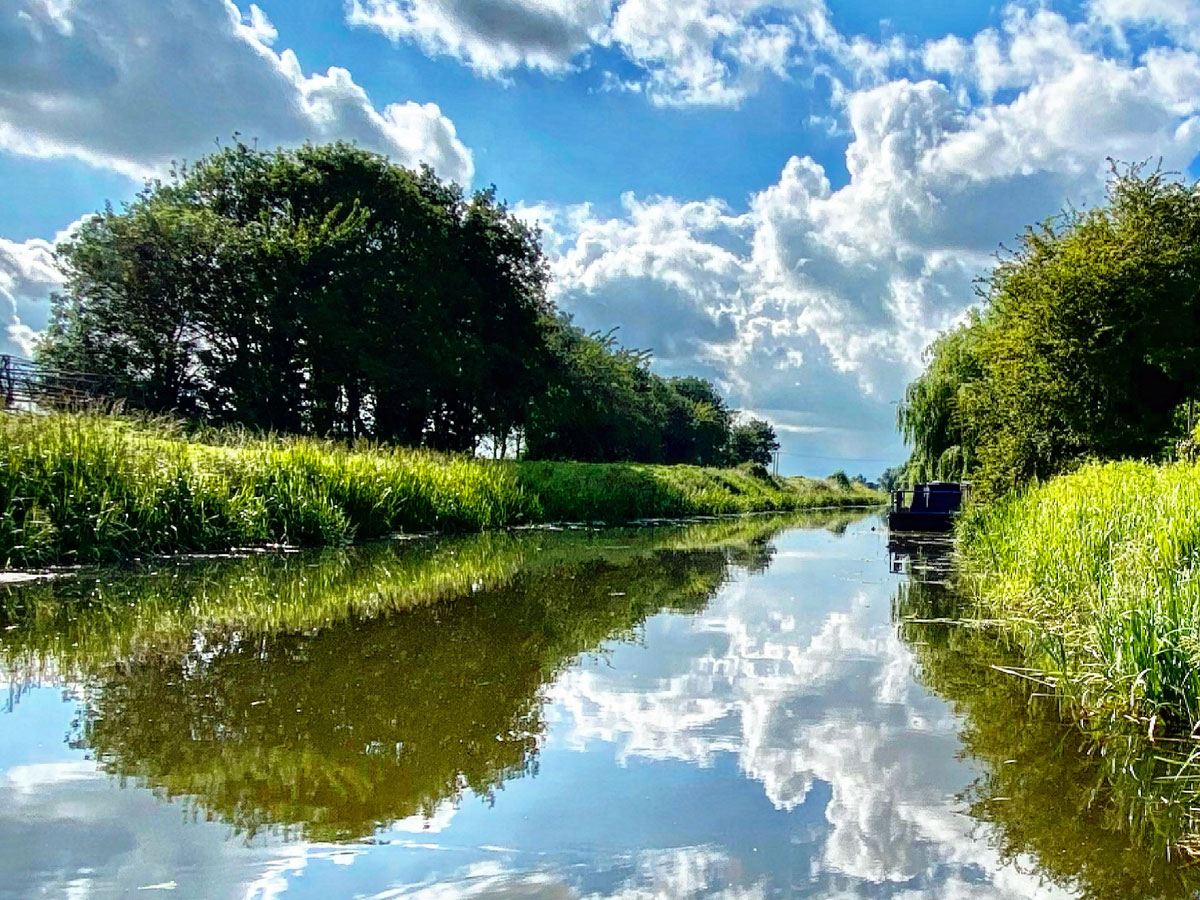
(491,36)
(813,302)
(687,52)
(130,86)
(28,275)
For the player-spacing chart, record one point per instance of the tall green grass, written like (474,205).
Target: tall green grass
(91,488)
(625,492)
(1095,577)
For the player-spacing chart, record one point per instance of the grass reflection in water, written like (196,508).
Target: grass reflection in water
(1108,816)
(332,694)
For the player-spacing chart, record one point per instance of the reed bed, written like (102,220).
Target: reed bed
(1094,575)
(92,488)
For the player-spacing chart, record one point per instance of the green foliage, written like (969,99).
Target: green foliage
(1087,344)
(839,479)
(86,488)
(753,441)
(892,478)
(324,291)
(1095,575)
(603,404)
(568,491)
(934,416)
(320,291)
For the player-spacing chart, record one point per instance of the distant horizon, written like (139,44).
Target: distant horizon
(790,198)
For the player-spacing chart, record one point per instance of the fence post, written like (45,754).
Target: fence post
(6,376)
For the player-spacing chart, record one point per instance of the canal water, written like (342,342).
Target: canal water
(750,709)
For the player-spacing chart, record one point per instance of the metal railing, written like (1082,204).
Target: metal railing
(25,384)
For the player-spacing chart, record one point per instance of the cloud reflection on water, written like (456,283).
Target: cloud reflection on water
(807,690)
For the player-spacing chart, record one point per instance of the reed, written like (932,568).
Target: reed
(93,488)
(1105,812)
(1095,577)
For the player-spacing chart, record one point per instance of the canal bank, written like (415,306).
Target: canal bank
(1093,576)
(89,488)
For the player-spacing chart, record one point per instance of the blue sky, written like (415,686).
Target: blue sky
(788,196)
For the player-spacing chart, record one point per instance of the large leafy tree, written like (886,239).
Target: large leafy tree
(933,416)
(1087,344)
(321,289)
(753,441)
(132,305)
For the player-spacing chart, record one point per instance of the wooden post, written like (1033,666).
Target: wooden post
(7,377)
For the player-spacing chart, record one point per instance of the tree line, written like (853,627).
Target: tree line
(1086,345)
(325,291)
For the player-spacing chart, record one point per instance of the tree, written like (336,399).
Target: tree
(321,290)
(933,417)
(1086,345)
(324,290)
(700,431)
(132,305)
(600,405)
(891,478)
(753,441)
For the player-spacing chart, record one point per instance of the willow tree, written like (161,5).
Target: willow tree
(935,414)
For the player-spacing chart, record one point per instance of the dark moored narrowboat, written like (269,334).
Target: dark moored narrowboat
(927,507)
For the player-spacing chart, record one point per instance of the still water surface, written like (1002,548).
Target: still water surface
(725,710)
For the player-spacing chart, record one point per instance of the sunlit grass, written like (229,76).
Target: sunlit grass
(1095,575)
(90,488)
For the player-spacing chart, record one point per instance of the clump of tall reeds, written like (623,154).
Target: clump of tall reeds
(84,488)
(623,492)
(1095,575)
(95,488)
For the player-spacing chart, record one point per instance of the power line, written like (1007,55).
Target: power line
(841,458)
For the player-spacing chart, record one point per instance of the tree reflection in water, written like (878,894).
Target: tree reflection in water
(1104,815)
(334,694)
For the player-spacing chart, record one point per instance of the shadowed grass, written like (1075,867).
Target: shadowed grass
(89,488)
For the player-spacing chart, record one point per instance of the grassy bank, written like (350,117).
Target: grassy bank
(1094,576)
(94,489)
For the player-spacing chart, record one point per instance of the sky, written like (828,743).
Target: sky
(791,198)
